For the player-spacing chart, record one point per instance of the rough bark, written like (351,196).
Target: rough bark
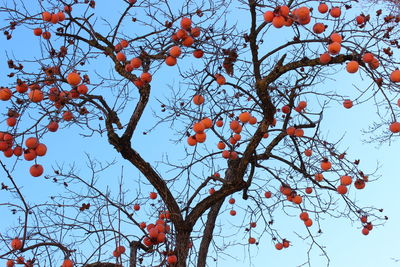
(103,264)
(208,233)
(182,247)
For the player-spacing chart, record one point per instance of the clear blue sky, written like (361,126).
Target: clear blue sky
(345,244)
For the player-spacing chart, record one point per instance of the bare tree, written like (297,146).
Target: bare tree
(258,94)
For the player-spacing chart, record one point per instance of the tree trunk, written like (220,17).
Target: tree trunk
(182,247)
(208,233)
(103,264)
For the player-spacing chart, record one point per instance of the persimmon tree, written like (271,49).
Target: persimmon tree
(246,114)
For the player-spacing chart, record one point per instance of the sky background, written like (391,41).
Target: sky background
(345,244)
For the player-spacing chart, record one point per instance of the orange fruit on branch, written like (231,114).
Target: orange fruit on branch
(36,170)
(352,66)
(334,48)
(323,8)
(341,189)
(186,23)
(335,12)
(16,244)
(395,76)
(74,79)
(198,99)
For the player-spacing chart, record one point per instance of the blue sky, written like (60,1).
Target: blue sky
(345,244)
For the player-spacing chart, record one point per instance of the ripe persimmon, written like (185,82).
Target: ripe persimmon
(52,126)
(278,246)
(37,31)
(146,77)
(244,117)
(124,43)
(299,132)
(303,13)
(198,99)
(61,16)
(198,127)
(359,184)
(394,127)
(16,244)
(278,21)
(285,109)
(198,53)
(41,150)
(335,12)
(11,121)
(302,105)
(308,152)
(67,263)
(234,125)
(319,177)
(318,28)
(365,231)
(195,32)
(136,62)
(186,23)
(253,120)
(82,89)
(18,151)
(36,96)
(308,222)
(325,58)
(153,195)
(297,199)
(368,57)
(268,16)
(323,8)
(360,20)
(347,103)
(74,79)
(31,142)
(67,116)
(207,122)
(54,18)
(335,37)
(128,67)
(290,130)
(304,216)
(326,165)
(346,180)
(188,41)
(341,189)
(191,140)
(221,145)
(46,16)
(21,88)
(175,51)
(201,137)
(46,35)
(121,56)
(172,259)
(395,76)
(36,170)
(220,79)
(374,64)
(334,48)
(5,94)
(181,34)
(170,61)
(352,66)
